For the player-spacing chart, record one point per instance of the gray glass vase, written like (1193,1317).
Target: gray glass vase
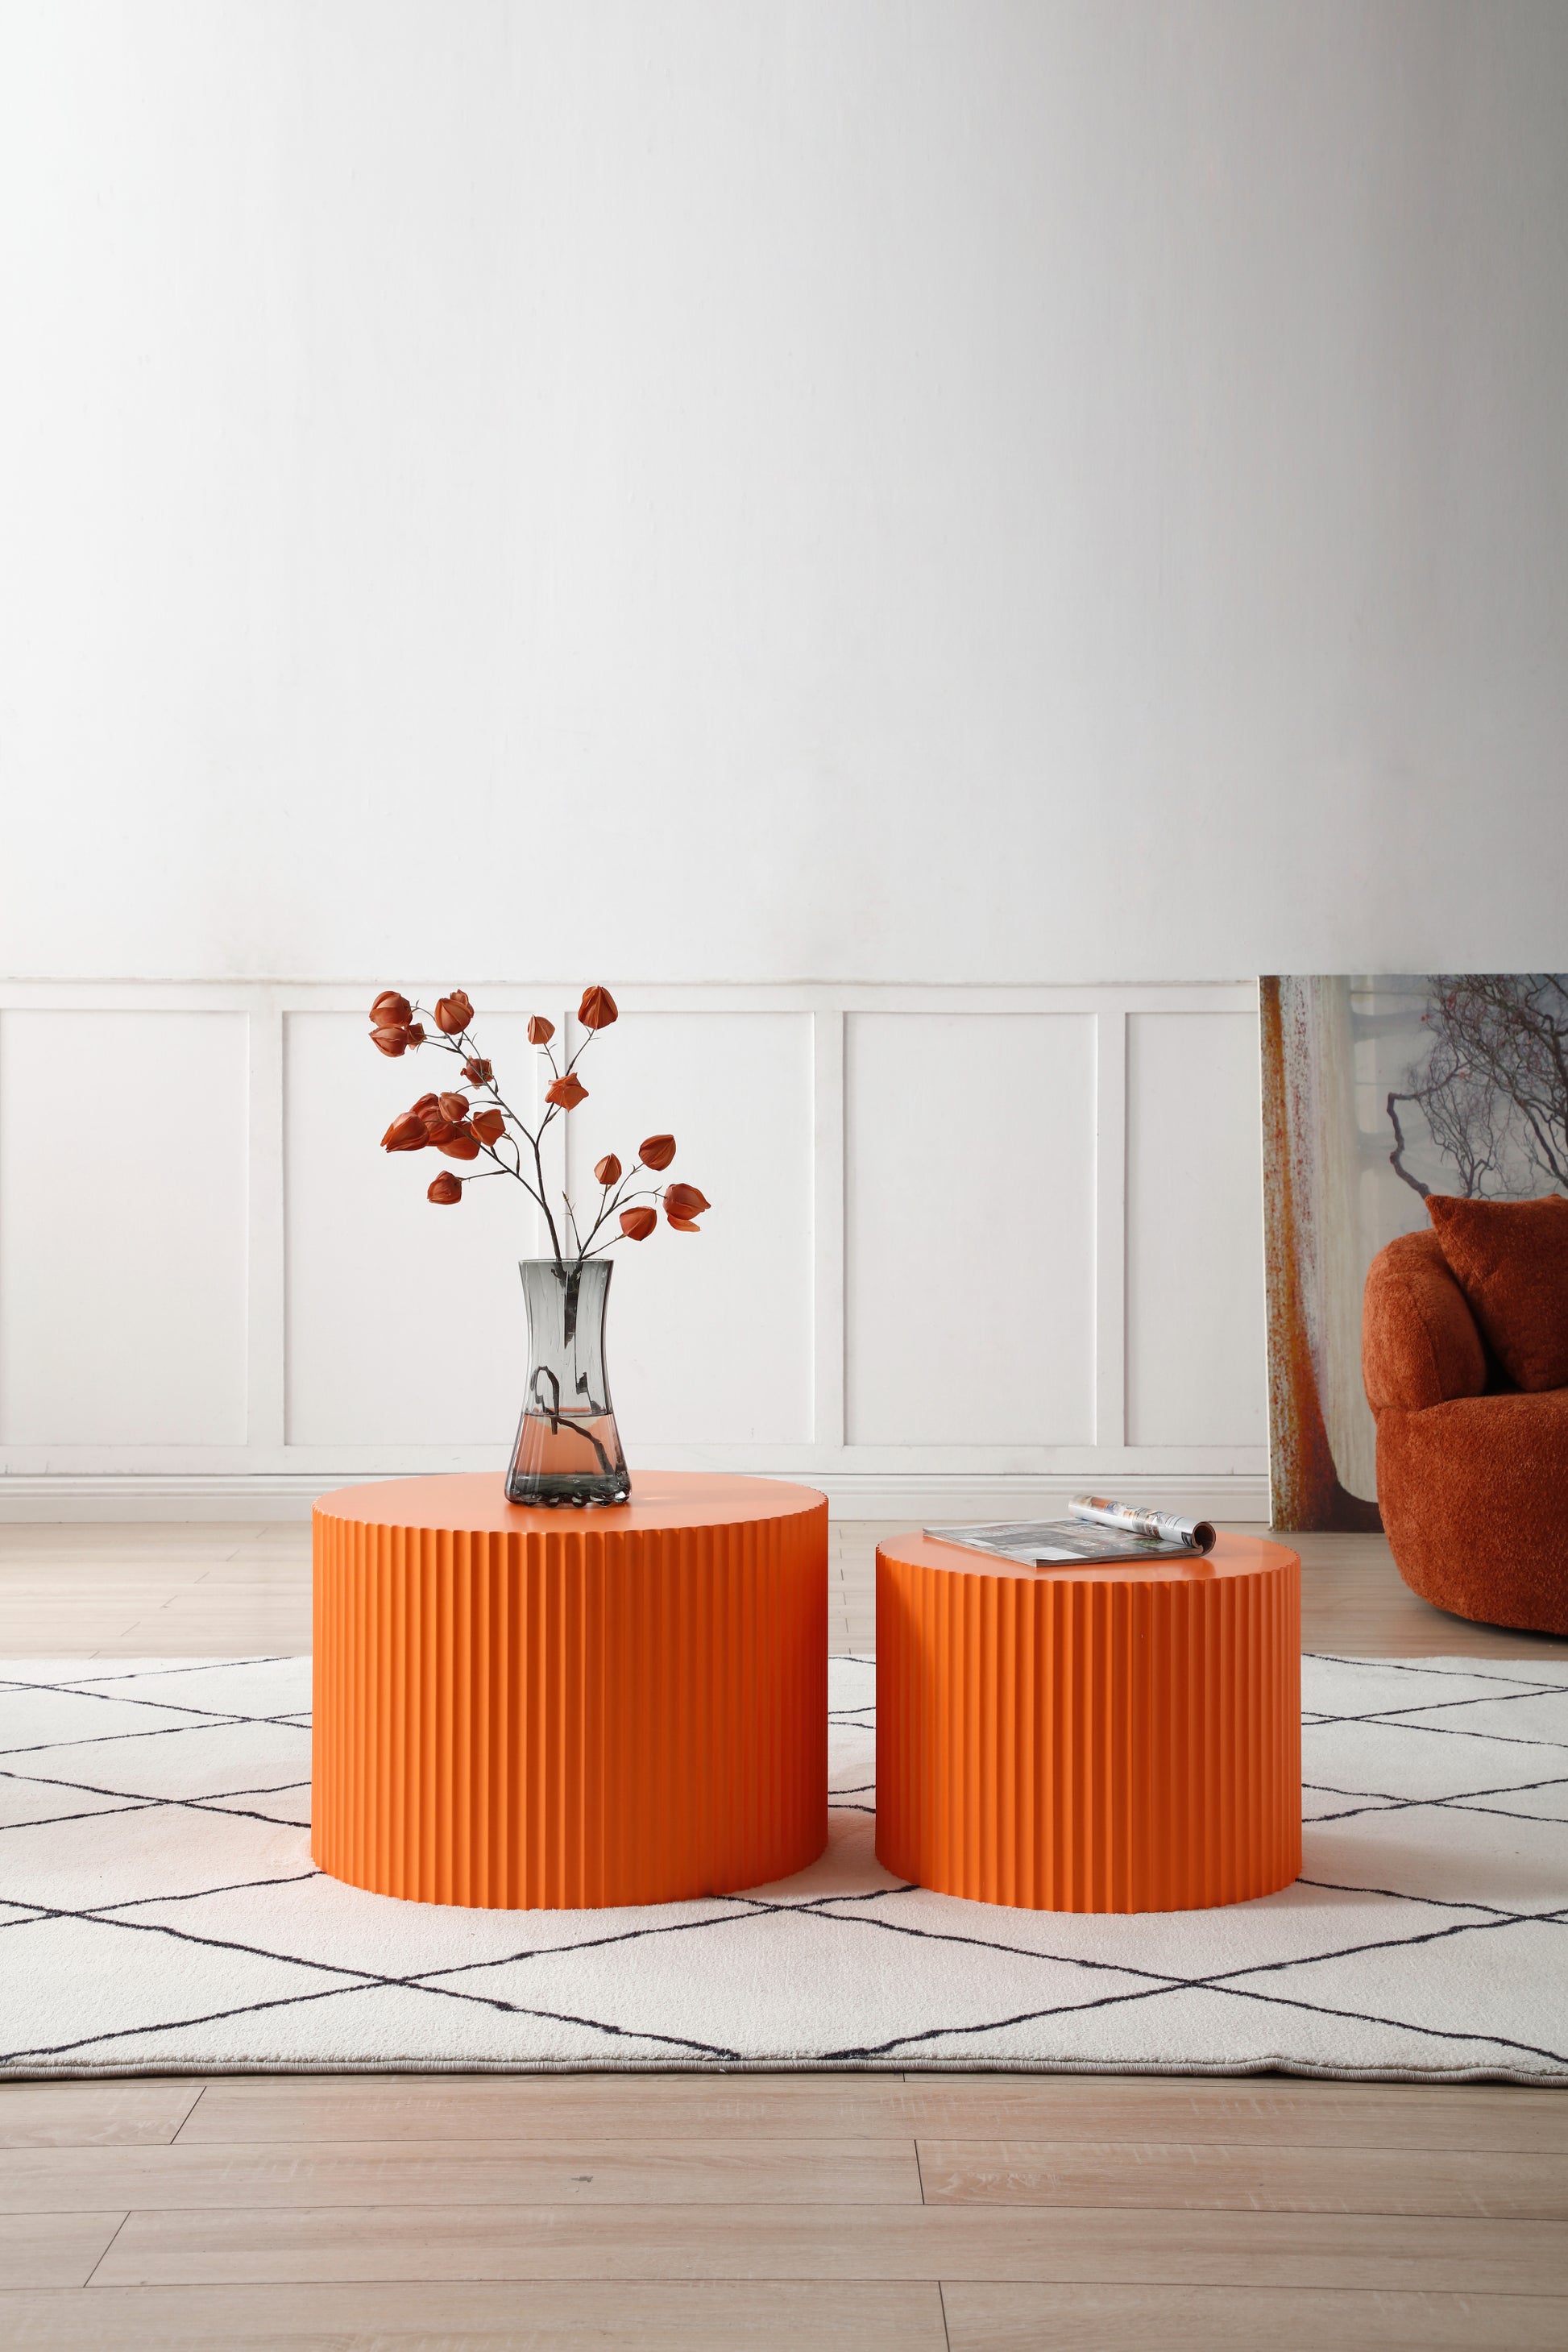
(568,1449)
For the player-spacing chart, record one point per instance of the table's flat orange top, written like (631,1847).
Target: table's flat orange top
(475,1503)
(1232,1555)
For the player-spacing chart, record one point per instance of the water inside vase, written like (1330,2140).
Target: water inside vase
(567,1449)
(581,1445)
(567,1439)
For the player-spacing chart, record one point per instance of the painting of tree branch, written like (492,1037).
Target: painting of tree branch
(1378,1091)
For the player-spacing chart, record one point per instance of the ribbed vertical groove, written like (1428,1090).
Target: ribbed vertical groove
(1091,1744)
(569,1713)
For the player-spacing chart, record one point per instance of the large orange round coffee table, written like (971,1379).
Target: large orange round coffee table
(537,1710)
(1084,1739)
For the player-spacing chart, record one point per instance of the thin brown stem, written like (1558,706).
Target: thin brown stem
(607,1207)
(581,1051)
(648,1192)
(539,1196)
(501,1169)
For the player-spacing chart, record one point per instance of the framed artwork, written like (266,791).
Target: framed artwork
(1377,1091)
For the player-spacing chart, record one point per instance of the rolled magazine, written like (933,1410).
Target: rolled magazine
(1157,1527)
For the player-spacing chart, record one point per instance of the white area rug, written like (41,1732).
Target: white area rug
(159,1912)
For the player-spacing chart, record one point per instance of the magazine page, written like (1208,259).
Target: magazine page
(1060,1543)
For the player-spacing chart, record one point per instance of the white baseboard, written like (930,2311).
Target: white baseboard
(935,1496)
(913,1497)
(79,1496)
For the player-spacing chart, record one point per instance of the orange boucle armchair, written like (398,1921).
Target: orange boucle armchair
(1472,1467)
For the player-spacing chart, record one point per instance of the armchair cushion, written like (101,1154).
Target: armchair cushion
(1475,1503)
(1511,1260)
(1419,1344)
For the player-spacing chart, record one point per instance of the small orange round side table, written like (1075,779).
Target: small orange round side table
(537,1710)
(1123,1738)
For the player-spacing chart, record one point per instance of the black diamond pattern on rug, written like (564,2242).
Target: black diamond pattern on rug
(159,1911)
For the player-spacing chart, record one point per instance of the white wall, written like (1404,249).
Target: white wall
(970,1248)
(925,494)
(851,475)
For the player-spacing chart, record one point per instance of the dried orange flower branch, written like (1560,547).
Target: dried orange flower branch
(464,1127)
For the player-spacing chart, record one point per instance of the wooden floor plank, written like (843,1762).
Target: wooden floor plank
(686,2172)
(985,2317)
(907,2242)
(191,1590)
(393,2108)
(1257,2179)
(158,1637)
(94,2114)
(40,2250)
(646,2315)
(1251,2112)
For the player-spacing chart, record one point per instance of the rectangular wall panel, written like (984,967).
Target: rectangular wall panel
(122,1228)
(970,1228)
(711,1333)
(1195,1231)
(405,1322)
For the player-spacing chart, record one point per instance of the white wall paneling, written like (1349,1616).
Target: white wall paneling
(969,1221)
(267,1362)
(1110,1224)
(711,1333)
(403,1325)
(969,1246)
(1195,1349)
(123,1230)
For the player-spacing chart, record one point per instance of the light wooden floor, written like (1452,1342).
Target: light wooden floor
(192,1591)
(844,2213)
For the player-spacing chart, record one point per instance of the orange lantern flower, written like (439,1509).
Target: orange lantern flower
(489,1126)
(406,1133)
(567,1092)
(598,1009)
(607,1172)
(478,1073)
(453,1013)
(637,1223)
(447,1191)
(454,1105)
(683,1204)
(656,1151)
(458,1142)
(391,1011)
(540,1030)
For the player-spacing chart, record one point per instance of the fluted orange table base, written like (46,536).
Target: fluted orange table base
(537,1710)
(1084,1739)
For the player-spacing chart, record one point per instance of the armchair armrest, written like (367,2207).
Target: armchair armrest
(1419,1344)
